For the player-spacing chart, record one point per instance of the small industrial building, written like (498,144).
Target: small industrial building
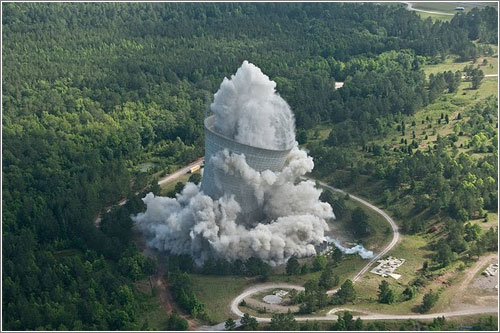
(387,267)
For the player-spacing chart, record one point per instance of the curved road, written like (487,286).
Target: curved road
(236,301)
(410,7)
(395,230)
(331,314)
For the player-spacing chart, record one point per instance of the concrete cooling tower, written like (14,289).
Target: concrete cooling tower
(216,182)
(252,201)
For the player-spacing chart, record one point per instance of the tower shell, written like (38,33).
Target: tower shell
(216,183)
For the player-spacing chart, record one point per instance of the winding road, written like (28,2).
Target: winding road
(410,7)
(331,314)
(395,230)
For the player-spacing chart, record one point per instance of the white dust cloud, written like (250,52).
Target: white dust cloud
(248,110)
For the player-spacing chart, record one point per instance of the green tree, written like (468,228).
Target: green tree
(437,324)
(337,255)
(179,187)
(319,262)
(444,255)
(301,137)
(327,280)
(472,231)
(429,301)
(284,322)
(476,78)
(486,324)
(359,222)
(346,293)
(292,266)
(249,323)
(230,324)
(409,292)
(176,322)
(385,293)
(195,178)
(339,325)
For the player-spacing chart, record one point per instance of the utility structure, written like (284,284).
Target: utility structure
(216,182)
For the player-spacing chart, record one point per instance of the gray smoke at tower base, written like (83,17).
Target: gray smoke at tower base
(195,224)
(248,110)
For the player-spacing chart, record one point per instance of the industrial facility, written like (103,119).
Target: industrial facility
(216,183)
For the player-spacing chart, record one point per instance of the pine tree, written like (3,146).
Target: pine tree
(230,324)
(385,294)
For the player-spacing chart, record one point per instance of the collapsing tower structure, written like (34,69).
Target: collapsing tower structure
(216,182)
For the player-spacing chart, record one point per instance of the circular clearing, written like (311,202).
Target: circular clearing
(272,299)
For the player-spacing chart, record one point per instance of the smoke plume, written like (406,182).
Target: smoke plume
(248,110)
(360,249)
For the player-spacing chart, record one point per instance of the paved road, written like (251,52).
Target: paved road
(331,314)
(410,7)
(395,230)
(487,75)
(258,288)
(180,172)
(161,182)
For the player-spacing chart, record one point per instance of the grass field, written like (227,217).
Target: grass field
(450,64)
(412,248)
(434,17)
(217,292)
(491,222)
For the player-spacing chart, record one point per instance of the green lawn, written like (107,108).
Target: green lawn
(450,64)
(491,222)
(217,292)
(412,248)
(434,17)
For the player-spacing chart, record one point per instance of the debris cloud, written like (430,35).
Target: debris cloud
(248,110)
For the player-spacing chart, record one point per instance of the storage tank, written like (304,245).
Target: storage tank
(216,183)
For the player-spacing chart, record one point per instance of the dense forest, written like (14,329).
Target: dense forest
(91,91)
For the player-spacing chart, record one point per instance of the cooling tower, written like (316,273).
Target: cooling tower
(216,183)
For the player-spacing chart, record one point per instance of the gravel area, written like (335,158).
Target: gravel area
(486,283)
